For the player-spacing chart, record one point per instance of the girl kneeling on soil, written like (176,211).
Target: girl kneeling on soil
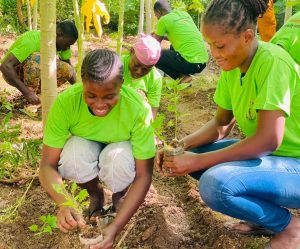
(257,178)
(99,130)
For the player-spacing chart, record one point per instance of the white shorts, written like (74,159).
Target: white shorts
(82,160)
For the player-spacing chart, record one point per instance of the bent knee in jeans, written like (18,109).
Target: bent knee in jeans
(82,160)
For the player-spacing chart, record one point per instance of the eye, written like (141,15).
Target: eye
(90,96)
(110,97)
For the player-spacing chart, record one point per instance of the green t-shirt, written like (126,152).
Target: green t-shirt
(151,83)
(129,120)
(272,82)
(27,44)
(184,36)
(288,37)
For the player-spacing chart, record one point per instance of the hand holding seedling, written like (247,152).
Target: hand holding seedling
(179,165)
(69,219)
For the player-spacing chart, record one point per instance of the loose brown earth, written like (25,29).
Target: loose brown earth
(172,216)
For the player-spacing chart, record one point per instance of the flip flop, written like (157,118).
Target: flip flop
(256,230)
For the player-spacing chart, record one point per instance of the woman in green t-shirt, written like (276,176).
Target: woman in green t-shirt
(99,130)
(257,178)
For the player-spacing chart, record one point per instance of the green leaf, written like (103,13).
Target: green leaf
(47,229)
(170,123)
(83,194)
(73,188)
(171,108)
(183,86)
(33,228)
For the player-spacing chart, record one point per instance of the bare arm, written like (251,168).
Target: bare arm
(268,137)
(133,200)
(10,75)
(136,193)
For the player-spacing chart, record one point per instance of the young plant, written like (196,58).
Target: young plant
(49,224)
(77,200)
(172,94)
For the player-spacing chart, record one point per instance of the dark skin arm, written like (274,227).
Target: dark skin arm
(67,218)
(133,200)
(268,137)
(10,75)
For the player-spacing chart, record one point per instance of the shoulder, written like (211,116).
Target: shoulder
(268,53)
(72,93)
(132,100)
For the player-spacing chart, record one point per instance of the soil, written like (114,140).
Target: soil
(172,215)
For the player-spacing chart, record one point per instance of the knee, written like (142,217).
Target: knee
(79,160)
(117,166)
(213,187)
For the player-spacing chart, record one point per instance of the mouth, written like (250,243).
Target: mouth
(100,112)
(220,61)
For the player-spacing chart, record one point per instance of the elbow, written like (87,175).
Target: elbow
(272,144)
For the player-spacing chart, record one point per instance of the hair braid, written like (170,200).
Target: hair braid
(99,64)
(236,15)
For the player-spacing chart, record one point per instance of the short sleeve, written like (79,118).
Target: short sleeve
(274,86)
(23,50)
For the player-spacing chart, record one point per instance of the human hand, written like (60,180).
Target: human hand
(179,165)
(109,233)
(69,219)
(32,98)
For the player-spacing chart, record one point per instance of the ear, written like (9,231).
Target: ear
(249,35)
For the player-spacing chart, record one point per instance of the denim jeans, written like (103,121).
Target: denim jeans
(258,190)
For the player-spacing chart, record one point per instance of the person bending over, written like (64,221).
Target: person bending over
(21,64)
(188,54)
(99,130)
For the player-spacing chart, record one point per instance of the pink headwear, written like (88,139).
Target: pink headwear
(147,49)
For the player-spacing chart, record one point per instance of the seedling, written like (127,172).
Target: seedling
(175,146)
(90,234)
(75,201)
(49,224)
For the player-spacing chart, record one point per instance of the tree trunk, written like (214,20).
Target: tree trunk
(288,13)
(35,15)
(48,55)
(120,26)
(154,20)
(20,13)
(79,25)
(141,18)
(148,16)
(29,15)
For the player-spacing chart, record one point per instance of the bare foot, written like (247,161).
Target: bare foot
(289,238)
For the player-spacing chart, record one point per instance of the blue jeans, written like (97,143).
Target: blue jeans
(258,190)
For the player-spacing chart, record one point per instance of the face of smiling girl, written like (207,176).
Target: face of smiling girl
(102,97)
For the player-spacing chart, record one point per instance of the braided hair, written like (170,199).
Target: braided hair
(100,65)
(235,15)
